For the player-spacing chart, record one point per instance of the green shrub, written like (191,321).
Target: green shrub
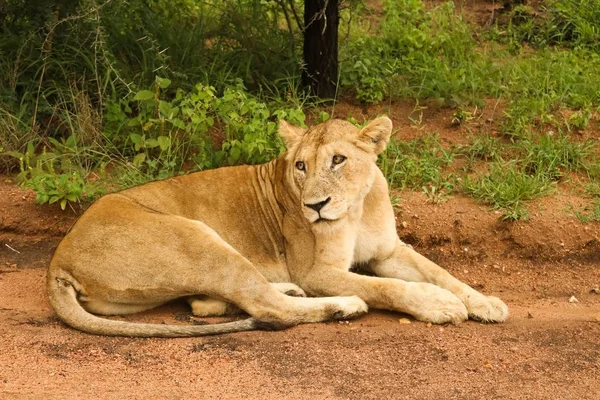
(53,176)
(211,130)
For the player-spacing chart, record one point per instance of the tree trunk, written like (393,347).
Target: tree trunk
(321,21)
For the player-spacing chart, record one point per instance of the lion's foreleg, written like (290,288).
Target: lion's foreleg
(408,265)
(425,301)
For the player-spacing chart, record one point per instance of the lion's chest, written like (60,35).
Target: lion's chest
(372,242)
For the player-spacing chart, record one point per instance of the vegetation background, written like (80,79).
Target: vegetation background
(100,95)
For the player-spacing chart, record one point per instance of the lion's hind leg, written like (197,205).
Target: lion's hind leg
(107,308)
(288,288)
(204,306)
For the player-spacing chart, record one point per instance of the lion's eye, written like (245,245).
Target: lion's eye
(338,159)
(300,166)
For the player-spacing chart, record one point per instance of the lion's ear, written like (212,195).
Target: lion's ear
(377,134)
(289,133)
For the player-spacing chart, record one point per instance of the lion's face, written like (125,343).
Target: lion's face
(333,165)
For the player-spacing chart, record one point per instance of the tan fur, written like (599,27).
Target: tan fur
(252,238)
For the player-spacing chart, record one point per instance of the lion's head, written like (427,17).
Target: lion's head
(333,165)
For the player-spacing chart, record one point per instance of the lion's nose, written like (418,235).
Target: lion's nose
(317,206)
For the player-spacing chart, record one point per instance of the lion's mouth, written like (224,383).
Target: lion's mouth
(323,220)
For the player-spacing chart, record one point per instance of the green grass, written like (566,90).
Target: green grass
(146,91)
(589,213)
(593,189)
(481,148)
(568,23)
(555,155)
(418,164)
(506,187)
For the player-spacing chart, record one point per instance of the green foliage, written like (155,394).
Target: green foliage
(590,213)
(507,187)
(417,53)
(150,135)
(79,91)
(162,134)
(53,176)
(569,23)
(418,164)
(14,136)
(555,155)
(62,188)
(539,85)
(537,164)
(486,148)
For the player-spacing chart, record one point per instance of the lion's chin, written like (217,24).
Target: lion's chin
(325,218)
(322,219)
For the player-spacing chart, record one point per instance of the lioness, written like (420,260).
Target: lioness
(257,238)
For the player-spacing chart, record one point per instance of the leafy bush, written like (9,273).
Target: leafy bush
(151,135)
(201,126)
(53,176)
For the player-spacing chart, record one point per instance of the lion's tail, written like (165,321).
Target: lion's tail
(63,298)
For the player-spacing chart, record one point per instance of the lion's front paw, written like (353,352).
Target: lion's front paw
(486,308)
(436,305)
(349,308)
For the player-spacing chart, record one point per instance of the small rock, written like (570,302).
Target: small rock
(404,224)
(404,321)
(597,319)
(514,348)
(573,299)
(595,290)
(529,315)
(488,366)
(428,325)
